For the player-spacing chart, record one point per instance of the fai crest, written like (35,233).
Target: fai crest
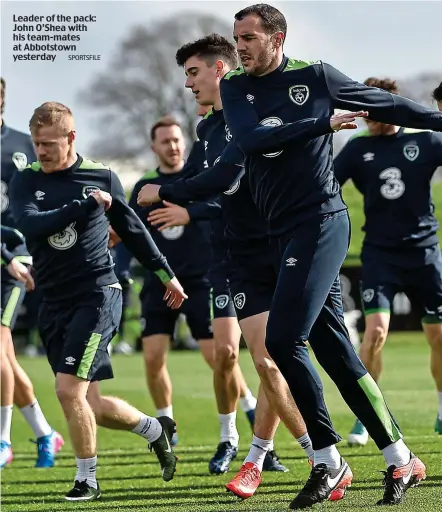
(221,301)
(299,94)
(87,191)
(368,295)
(20,160)
(239,300)
(411,152)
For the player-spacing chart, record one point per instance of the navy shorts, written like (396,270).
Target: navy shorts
(221,300)
(252,282)
(158,318)
(76,333)
(417,271)
(12,295)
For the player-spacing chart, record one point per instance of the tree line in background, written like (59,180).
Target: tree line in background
(143,83)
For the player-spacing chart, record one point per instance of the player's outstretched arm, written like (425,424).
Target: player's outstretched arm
(137,239)
(382,106)
(31,221)
(253,137)
(212,182)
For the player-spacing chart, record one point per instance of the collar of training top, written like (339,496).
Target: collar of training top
(279,69)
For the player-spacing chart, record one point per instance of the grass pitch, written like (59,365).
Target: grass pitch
(130,476)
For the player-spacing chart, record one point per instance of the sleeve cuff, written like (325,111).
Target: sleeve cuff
(7,257)
(91,204)
(165,274)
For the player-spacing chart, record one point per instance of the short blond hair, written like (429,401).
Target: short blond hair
(52,113)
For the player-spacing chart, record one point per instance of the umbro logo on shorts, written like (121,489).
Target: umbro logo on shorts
(290,262)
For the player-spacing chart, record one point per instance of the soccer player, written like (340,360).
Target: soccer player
(16,150)
(188,252)
(228,378)
(62,204)
(392,167)
(247,401)
(437,96)
(251,275)
(294,188)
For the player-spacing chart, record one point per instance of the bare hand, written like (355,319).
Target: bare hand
(148,195)
(174,295)
(21,273)
(114,239)
(346,121)
(102,198)
(172,215)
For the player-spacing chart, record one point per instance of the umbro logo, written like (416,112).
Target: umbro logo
(70,360)
(39,195)
(291,262)
(250,98)
(368,157)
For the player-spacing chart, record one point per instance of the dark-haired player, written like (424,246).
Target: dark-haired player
(251,276)
(294,188)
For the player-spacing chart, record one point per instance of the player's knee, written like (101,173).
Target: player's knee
(154,365)
(434,336)
(5,340)
(374,338)
(226,357)
(22,382)
(265,366)
(154,360)
(70,390)
(66,395)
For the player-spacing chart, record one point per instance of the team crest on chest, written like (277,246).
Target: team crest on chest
(411,151)
(87,191)
(20,160)
(299,94)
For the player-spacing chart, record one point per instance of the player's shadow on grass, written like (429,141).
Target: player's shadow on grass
(431,481)
(151,460)
(170,500)
(61,456)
